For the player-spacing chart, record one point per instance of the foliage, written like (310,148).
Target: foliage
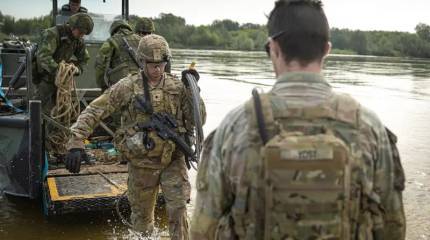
(230,35)
(383,43)
(423,31)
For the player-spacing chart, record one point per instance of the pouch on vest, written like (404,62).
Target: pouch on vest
(131,144)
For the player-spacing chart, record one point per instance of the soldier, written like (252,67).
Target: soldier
(144,26)
(63,42)
(302,161)
(113,61)
(73,7)
(161,164)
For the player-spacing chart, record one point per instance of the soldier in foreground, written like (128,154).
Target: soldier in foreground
(113,61)
(302,161)
(63,42)
(152,161)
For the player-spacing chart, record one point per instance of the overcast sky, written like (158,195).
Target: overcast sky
(392,15)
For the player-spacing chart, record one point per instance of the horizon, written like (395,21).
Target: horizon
(384,15)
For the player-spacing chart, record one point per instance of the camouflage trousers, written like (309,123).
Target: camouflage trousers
(143,185)
(47,93)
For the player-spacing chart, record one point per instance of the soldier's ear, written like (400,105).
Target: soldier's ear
(327,49)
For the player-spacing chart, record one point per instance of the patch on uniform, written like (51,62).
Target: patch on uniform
(157,54)
(321,153)
(157,96)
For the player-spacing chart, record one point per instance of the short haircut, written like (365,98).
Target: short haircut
(75,1)
(306,29)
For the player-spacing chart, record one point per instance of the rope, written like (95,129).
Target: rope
(67,108)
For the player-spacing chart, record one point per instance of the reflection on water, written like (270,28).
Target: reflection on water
(397,89)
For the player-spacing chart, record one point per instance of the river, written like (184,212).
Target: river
(397,89)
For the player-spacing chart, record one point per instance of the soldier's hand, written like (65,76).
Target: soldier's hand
(78,71)
(192,72)
(74,158)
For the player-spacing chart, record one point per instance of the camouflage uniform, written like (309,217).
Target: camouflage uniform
(230,201)
(164,165)
(113,61)
(57,44)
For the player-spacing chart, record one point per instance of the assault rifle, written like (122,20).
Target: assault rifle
(163,123)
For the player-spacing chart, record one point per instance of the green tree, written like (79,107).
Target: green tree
(423,31)
(227,24)
(8,25)
(358,42)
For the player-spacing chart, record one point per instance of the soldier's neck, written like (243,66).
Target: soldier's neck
(155,82)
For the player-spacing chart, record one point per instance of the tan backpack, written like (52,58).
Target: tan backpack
(314,180)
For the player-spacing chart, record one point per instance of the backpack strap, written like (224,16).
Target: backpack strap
(62,33)
(261,114)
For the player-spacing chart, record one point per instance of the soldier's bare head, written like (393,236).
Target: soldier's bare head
(298,32)
(74,6)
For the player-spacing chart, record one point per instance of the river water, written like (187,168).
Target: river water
(397,89)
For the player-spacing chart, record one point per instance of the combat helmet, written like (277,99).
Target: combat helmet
(154,48)
(117,24)
(144,25)
(81,21)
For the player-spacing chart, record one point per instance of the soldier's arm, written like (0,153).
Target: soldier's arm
(46,51)
(385,182)
(110,101)
(214,187)
(102,63)
(82,55)
(391,199)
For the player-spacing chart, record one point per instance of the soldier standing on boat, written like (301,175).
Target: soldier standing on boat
(302,161)
(152,161)
(73,7)
(113,61)
(144,26)
(60,43)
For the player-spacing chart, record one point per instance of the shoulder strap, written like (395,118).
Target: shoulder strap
(259,115)
(262,114)
(62,34)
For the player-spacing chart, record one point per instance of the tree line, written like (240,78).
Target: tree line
(230,35)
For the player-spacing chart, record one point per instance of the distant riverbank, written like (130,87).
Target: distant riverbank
(230,35)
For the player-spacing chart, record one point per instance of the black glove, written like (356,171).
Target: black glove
(74,158)
(192,72)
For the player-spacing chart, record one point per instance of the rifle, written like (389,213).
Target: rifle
(163,123)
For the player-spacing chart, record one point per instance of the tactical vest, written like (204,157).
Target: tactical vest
(129,140)
(121,63)
(312,179)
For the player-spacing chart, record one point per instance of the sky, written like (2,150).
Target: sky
(389,15)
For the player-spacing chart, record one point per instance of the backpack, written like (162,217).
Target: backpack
(313,178)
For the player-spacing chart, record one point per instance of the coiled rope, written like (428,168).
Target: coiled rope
(67,107)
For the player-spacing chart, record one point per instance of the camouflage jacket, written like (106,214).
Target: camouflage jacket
(57,45)
(223,162)
(168,96)
(113,61)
